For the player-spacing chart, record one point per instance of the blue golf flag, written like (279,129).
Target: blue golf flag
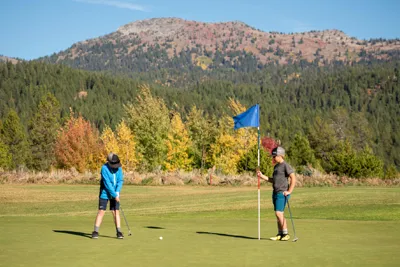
(249,118)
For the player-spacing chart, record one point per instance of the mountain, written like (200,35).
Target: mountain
(6,59)
(175,43)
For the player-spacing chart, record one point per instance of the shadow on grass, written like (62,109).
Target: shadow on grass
(154,227)
(87,235)
(227,235)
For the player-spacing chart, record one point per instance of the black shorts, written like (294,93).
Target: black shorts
(114,205)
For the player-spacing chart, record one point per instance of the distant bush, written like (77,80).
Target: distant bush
(345,161)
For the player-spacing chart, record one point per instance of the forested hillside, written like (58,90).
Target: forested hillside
(348,108)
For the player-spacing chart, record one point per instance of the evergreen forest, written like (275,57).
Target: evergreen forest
(342,119)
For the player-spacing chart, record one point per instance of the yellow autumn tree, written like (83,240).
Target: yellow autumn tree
(121,143)
(109,140)
(231,145)
(127,147)
(148,118)
(178,143)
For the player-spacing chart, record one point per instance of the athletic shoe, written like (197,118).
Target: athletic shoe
(95,235)
(276,238)
(120,235)
(285,237)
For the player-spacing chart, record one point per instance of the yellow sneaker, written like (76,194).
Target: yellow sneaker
(285,237)
(276,238)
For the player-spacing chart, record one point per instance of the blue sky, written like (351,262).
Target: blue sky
(34,28)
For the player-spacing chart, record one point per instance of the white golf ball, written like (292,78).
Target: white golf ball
(160,237)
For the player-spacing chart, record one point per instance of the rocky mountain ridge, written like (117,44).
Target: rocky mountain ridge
(211,45)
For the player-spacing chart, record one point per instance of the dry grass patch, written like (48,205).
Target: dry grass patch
(180,178)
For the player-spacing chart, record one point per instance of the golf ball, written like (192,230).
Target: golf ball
(160,237)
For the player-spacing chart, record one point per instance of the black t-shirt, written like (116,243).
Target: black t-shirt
(280,177)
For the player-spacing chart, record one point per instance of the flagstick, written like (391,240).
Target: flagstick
(251,118)
(258,158)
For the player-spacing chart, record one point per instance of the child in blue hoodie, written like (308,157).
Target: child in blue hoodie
(111,182)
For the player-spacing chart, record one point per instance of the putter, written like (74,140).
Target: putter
(294,230)
(126,222)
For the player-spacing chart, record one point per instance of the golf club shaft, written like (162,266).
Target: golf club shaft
(126,222)
(291,219)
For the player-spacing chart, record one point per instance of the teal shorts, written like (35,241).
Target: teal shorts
(279,201)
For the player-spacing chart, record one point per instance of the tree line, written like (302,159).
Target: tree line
(339,119)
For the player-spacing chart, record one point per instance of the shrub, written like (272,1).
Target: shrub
(249,162)
(345,161)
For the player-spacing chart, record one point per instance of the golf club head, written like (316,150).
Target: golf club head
(130,234)
(294,240)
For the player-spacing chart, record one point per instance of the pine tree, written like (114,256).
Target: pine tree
(370,165)
(344,160)
(5,156)
(249,162)
(43,132)
(361,134)
(14,137)
(340,124)
(391,172)
(300,152)
(322,140)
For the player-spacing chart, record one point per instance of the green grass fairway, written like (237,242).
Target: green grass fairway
(201,226)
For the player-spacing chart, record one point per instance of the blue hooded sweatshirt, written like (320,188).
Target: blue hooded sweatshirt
(111,182)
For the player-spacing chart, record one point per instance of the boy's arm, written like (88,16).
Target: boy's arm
(120,182)
(262,176)
(292,177)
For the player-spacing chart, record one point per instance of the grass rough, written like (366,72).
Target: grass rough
(50,225)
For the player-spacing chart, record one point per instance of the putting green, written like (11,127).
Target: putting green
(200,226)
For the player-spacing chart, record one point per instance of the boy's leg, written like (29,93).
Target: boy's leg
(117,219)
(280,204)
(280,221)
(275,202)
(99,217)
(114,207)
(285,232)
